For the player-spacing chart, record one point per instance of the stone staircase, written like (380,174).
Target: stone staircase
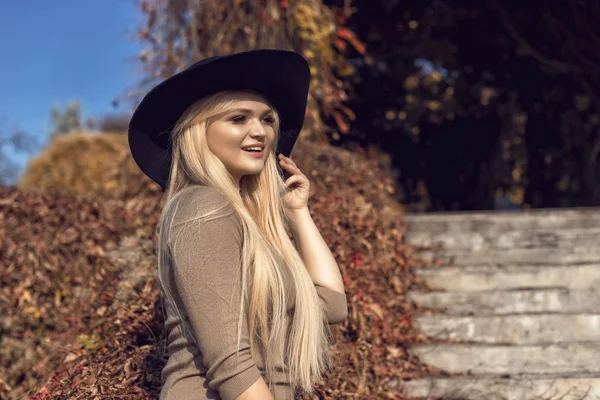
(519,295)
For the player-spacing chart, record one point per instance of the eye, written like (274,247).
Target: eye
(239,118)
(269,120)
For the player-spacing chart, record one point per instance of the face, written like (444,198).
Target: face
(249,122)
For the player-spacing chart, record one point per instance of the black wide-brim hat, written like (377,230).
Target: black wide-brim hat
(281,76)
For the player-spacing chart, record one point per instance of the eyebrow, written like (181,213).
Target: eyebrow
(248,111)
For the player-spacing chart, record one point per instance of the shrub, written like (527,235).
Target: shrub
(112,343)
(89,165)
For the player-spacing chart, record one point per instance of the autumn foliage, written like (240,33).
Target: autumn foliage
(177,34)
(80,303)
(84,163)
(469,102)
(478,103)
(481,100)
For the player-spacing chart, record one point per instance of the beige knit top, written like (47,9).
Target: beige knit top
(198,278)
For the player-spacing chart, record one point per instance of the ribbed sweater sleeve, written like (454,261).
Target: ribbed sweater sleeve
(206,271)
(335,304)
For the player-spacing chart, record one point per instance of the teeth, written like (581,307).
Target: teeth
(253,148)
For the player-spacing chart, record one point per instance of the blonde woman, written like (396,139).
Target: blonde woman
(247,309)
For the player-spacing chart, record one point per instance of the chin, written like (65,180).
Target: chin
(256,172)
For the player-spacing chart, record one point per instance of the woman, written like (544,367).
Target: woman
(247,312)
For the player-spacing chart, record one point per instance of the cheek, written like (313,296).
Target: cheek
(225,137)
(271,134)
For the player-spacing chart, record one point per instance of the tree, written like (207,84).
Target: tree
(473,99)
(13,140)
(113,122)
(480,98)
(67,120)
(179,33)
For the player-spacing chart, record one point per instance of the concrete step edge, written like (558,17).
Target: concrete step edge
(524,329)
(488,278)
(479,359)
(561,301)
(548,388)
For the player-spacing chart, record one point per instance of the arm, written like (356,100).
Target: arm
(206,257)
(258,391)
(321,265)
(315,253)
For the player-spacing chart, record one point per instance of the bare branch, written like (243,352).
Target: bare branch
(559,66)
(181,32)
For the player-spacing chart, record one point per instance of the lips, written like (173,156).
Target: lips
(255,154)
(256,144)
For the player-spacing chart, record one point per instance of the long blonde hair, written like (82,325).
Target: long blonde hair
(267,250)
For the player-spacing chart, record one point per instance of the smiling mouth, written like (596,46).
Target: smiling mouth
(255,154)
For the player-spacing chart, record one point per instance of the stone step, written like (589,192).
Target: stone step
(503,221)
(474,279)
(508,240)
(467,224)
(572,255)
(510,301)
(553,388)
(513,329)
(572,358)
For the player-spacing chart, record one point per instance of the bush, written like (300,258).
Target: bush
(88,165)
(113,343)
(117,123)
(56,278)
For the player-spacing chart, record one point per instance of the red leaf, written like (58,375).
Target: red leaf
(345,33)
(340,44)
(339,120)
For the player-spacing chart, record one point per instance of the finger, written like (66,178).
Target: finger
(291,180)
(289,161)
(298,179)
(288,165)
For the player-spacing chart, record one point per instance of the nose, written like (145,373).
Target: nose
(257,129)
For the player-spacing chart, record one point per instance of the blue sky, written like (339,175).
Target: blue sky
(58,50)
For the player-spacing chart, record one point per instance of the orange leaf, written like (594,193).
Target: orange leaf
(340,44)
(348,112)
(358,45)
(345,33)
(339,120)
(377,309)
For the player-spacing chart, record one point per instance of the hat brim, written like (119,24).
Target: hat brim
(283,77)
